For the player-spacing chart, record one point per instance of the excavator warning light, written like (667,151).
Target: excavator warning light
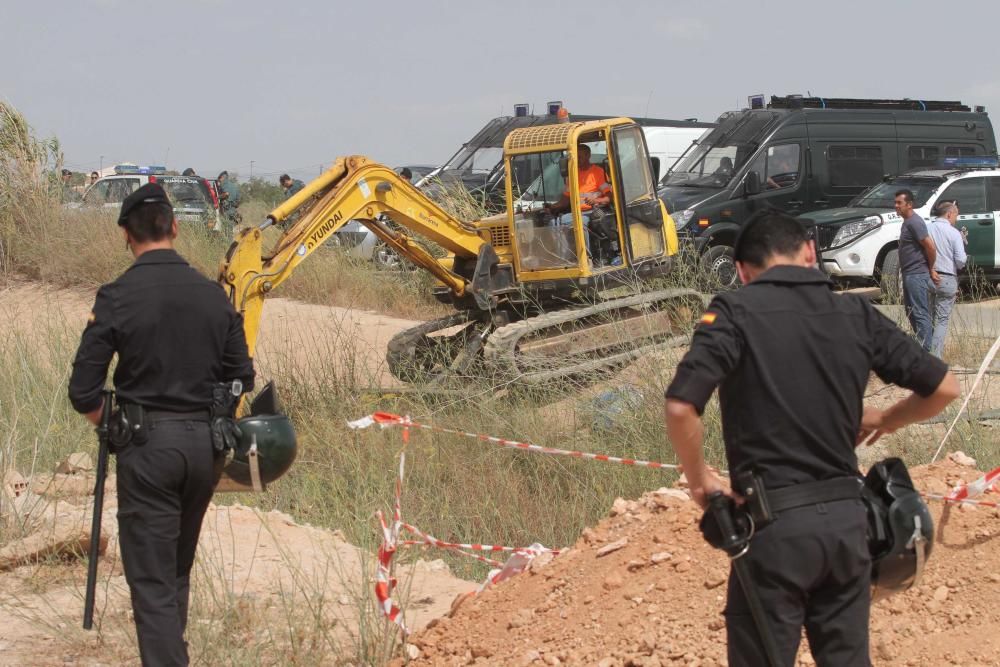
(520,110)
(554,107)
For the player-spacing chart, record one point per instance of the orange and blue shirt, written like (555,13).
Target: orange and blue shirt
(593,183)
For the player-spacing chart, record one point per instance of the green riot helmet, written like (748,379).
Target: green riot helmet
(266,450)
(900,528)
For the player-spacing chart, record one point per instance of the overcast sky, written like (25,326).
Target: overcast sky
(214,84)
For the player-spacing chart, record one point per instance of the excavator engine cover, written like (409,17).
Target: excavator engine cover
(267,442)
(900,528)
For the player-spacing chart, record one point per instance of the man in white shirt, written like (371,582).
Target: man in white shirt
(950,260)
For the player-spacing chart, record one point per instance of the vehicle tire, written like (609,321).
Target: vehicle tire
(719,268)
(891,279)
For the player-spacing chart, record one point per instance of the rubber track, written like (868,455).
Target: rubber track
(404,348)
(500,350)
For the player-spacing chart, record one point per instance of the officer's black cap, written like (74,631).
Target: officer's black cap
(150,193)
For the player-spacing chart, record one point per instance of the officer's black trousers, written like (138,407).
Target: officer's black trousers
(811,567)
(164,487)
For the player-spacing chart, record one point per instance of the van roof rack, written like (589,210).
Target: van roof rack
(800,102)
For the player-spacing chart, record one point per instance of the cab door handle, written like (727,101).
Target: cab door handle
(794,202)
(822,202)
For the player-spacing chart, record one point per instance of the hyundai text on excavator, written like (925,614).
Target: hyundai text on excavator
(531,293)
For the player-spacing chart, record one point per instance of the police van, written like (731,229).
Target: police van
(193,197)
(803,154)
(860,242)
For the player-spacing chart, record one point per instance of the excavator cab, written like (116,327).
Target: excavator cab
(587,241)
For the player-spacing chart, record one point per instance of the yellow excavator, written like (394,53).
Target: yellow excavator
(531,289)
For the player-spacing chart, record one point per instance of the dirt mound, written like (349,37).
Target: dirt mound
(262,565)
(643,588)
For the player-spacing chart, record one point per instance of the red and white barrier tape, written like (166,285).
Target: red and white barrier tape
(976,488)
(966,493)
(489,548)
(467,554)
(386,420)
(954,501)
(385,583)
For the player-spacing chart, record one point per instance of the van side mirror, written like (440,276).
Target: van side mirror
(751,184)
(655,164)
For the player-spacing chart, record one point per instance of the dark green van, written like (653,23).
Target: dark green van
(803,154)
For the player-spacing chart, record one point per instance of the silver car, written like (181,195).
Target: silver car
(358,241)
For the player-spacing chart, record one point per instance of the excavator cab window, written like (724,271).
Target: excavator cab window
(636,194)
(543,243)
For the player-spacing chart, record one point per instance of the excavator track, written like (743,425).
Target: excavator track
(592,339)
(417,355)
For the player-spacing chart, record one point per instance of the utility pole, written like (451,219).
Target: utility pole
(251,170)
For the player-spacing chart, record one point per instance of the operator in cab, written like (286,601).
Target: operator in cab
(792,360)
(595,191)
(177,338)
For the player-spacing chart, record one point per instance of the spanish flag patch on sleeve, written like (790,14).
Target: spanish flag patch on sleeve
(708,318)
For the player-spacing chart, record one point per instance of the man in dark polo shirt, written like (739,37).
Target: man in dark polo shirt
(791,359)
(917,254)
(176,336)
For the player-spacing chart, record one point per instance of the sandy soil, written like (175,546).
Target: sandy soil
(654,601)
(642,588)
(263,565)
(313,340)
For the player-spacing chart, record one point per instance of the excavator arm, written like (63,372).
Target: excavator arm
(354,188)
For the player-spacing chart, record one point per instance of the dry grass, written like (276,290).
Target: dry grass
(456,488)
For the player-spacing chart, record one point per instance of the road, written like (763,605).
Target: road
(970,319)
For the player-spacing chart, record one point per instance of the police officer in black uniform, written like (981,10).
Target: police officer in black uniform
(176,336)
(791,359)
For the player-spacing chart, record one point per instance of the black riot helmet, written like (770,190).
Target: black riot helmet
(267,446)
(900,528)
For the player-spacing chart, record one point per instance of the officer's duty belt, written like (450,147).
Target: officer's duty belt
(170,416)
(813,493)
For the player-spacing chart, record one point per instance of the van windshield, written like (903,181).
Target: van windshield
(883,195)
(186,192)
(715,158)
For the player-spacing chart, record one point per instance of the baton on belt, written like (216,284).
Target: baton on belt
(103,436)
(736,545)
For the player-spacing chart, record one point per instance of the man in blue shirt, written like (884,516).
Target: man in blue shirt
(916,261)
(951,258)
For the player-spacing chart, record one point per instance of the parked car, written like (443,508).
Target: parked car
(359,242)
(859,242)
(805,154)
(193,197)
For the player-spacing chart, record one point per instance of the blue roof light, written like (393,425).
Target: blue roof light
(958,162)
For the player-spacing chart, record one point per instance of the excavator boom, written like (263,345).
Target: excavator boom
(354,188)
